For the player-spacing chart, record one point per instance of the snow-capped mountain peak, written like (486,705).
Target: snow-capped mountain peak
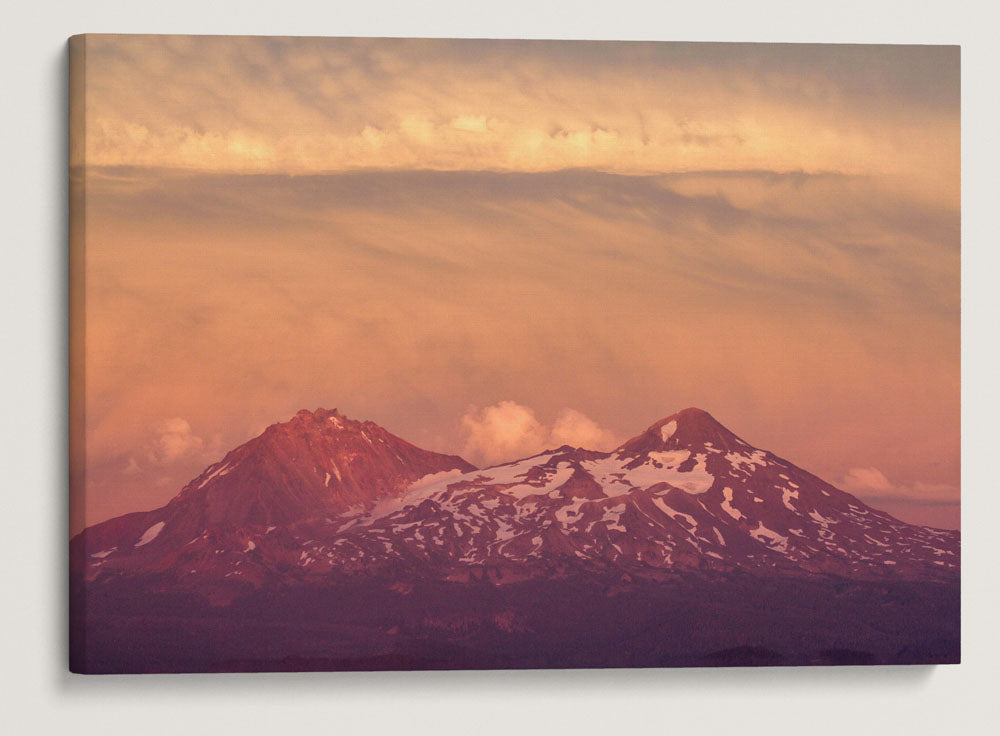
(323,495)
(690,428)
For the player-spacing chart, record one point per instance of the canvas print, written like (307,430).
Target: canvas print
(485,354)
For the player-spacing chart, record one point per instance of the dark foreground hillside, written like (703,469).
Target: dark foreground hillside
(693,621)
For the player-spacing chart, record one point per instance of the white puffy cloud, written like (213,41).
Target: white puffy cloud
(508,431)
(860,480)
(577,429)
(503,431)
(175,440)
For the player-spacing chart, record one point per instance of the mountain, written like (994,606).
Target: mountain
(322,498)
(331,544)
(316,465)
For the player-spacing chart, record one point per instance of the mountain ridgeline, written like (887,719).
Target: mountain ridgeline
(338,514)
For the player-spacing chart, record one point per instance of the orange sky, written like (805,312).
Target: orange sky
(488,247)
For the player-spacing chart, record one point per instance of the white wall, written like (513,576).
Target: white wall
(38,696)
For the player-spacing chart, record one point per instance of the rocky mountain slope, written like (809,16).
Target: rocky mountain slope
(323,498)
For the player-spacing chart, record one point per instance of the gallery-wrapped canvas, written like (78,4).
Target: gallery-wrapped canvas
(625,354)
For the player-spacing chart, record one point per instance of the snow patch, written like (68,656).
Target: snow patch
(563,472)
(746,461)
(818,517)
(663,468)
(571,512)
(667,430)
(787,496)
(674,513)
(150,534)
(218,472)
(440,479)
(608,472)
(769,537)
(510,472)
(613,516)
(504,531)
(727,504)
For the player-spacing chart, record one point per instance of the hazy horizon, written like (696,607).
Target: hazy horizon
(484,246)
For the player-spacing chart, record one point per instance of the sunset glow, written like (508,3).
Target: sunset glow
(490,248)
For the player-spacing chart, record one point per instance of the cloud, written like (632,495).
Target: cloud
(503,431)
(865,479)
(819,193)
(625,298)
(872,483)
(175,440)
(345,104)
(578,430)
(508,431)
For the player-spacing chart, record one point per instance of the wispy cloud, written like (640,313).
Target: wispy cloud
(872,484)
(301,105)
(770,232)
